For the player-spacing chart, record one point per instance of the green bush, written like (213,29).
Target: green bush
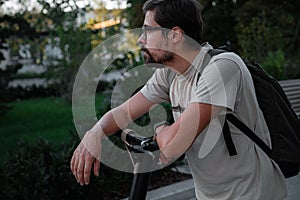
(40,171)
(275,64)
(6,94)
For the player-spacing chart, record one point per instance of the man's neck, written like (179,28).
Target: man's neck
(182,62)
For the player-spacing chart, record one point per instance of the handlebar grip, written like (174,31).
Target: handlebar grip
(131,137)
(137,142)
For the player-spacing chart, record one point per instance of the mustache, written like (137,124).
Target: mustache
(144,49)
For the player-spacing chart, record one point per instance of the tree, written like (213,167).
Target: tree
(260,31)
(72,39)
(268,32)
(219,22)
(134,13)
(9,25)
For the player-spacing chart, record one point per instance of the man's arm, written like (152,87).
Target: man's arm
(119,117)
(88,152)
(178,138)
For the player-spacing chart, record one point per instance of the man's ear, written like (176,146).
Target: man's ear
(176,34)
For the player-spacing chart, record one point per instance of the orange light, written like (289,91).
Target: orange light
(105,24)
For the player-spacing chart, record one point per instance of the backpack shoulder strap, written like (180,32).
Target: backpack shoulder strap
(248,132)
(211,53)
(228,139)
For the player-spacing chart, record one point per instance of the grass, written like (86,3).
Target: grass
(50,118)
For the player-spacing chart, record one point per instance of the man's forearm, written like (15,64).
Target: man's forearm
(174,140)
(178,138)
(111,122)
(119,117)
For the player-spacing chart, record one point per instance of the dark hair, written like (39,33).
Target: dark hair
(185,14)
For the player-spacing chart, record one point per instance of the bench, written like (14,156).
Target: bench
(292,91)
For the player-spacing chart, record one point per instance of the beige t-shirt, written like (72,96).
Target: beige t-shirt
(225,82)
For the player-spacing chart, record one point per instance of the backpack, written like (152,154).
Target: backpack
(281,119)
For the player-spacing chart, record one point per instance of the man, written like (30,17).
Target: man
(200,95)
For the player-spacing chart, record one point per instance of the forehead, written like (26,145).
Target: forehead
(149,19)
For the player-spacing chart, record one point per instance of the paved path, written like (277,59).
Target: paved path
(293,185)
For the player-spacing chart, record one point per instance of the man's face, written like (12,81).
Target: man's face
(154,42)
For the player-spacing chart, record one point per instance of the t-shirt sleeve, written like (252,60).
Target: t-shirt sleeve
(156,89)
(218,84)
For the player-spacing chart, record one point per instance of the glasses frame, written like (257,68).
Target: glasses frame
(146,29)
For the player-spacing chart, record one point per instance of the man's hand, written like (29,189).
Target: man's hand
(86,156)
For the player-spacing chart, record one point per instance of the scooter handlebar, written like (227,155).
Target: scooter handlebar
(138,143)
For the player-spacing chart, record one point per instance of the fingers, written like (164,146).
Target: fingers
(84,157)
(72,163)
(89,160)
(79,171)
(75,162)
(96,167)
(81,164)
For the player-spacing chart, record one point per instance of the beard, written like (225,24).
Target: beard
(164,58)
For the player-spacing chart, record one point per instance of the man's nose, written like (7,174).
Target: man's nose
(141,40)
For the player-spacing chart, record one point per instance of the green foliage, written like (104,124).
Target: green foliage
(33,169)
(269,34)
(275,64)
(259,37)
(253,28)
(218,22)
(6,94)
(73,41)
(55,23)
(134,13)
(74,50)
(40,171)
(8,25)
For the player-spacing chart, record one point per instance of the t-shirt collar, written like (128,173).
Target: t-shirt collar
(197,62)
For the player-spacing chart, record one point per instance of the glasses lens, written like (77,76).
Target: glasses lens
(145,33)
(144,30)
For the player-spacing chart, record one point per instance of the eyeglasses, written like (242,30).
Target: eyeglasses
(147,29)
